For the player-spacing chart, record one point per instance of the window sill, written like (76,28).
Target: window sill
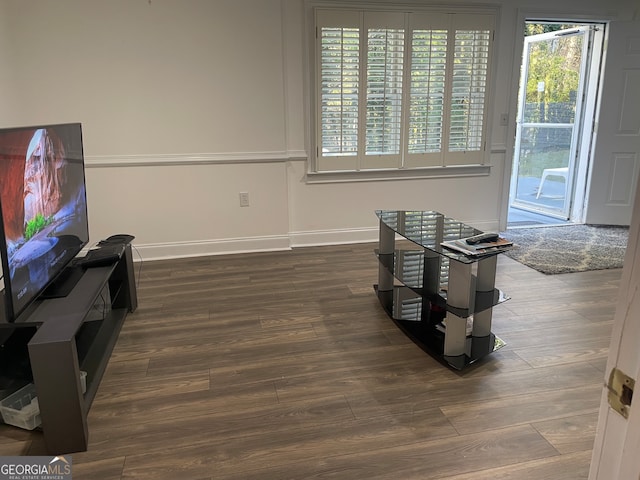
(398,174)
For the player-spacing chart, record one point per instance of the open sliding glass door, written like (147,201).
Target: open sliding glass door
(548,123)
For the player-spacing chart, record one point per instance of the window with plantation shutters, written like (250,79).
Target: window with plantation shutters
(400,90)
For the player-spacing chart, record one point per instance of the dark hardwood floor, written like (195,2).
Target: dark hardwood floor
(283,365)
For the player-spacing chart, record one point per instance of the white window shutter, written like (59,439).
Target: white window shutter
(339,89)
(338,79)
(469,84)
(384,83)
(385,50)
(427,100)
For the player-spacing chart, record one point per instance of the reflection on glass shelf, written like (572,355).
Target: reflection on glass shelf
(427,327)
(408,268)
(429,230)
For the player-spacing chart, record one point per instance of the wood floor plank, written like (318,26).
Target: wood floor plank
(218,427)
(466,392)
(474,417)
(428,459)
(105,469)
(570,434)
(179,405)
(151,388)
(234,454)
(12,447)
(580,350)
(561,467)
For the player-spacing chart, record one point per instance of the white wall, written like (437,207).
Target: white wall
(7,87)
(184,104)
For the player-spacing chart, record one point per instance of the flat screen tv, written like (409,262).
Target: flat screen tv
(44,222)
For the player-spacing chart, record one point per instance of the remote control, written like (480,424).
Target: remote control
(101,257)
(482,238)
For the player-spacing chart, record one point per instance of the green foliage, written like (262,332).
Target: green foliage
(554,63)
(36,224)
(538,28)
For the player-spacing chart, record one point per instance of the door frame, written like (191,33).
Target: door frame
(578,213)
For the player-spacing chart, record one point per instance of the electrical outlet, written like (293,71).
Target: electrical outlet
(244,199)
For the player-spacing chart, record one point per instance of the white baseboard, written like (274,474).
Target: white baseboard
(273,243)
(228,246)
(333,237)
(160,251)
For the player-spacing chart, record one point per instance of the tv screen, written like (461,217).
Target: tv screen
(44,209)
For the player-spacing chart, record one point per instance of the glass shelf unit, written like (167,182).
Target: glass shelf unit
(441,299)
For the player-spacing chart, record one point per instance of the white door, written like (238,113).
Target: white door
(615,452)
(616,155)
(617,446)
(549,120)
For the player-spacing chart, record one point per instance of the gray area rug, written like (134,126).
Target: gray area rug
(570,248)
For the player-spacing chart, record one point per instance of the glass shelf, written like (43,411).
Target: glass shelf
(408,267)
(411,313)
(483,301)
(428,230)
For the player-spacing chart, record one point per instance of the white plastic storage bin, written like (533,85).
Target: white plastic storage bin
(21,408)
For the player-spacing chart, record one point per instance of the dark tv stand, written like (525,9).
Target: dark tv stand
(77,332)
(64,283)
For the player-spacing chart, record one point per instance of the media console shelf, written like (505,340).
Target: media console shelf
(441,299)
(72,334)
